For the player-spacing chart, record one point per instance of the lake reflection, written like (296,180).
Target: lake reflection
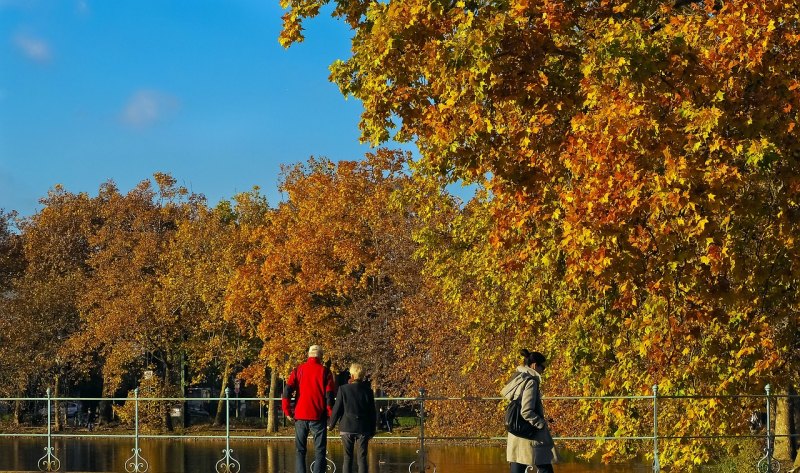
(257,456)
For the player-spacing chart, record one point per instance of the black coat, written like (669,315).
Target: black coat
(355,406)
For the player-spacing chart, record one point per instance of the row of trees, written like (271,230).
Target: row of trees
(378,264)
(637,220)
(108,286)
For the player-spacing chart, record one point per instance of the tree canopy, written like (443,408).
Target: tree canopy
(641,164)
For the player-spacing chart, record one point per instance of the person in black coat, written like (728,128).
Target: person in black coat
(355,407)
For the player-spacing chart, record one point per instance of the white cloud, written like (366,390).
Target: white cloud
(82,7)
(35,49)
(146,107)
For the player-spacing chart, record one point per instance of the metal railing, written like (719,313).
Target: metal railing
(229,464)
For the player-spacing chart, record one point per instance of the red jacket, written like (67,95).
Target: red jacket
(314,387)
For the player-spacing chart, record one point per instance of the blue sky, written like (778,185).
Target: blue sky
(93,90)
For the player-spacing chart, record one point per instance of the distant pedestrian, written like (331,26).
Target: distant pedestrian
(386,417)
(355,407)
(540,451)
(391,415)
(314,388)
(90,420)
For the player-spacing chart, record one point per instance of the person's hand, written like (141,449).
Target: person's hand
(291,419)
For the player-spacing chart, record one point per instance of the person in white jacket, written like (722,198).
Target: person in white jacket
(538,452)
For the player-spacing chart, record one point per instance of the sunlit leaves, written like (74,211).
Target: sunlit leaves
(641,160)
(127,299)
(329,266)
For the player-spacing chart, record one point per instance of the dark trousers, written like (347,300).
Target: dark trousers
(520,468)
(319,429)
(360,442)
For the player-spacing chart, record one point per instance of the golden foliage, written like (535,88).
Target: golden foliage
(640,161)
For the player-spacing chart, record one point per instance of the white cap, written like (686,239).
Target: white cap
(315,351)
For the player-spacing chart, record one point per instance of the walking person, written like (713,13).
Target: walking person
(355,407)
(314,388)
(90,420)
(538,452)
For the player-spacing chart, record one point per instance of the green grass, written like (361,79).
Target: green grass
(743,460)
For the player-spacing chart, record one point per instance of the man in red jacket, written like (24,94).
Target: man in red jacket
(314,389)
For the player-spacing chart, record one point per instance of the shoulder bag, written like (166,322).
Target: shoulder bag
(516,424)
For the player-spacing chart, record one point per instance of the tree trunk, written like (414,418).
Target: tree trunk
(184,391)
(166,410)
(794,404)
(272,421)
(218,418)
(104,411)
(58,427)
(17,410)
(783,444)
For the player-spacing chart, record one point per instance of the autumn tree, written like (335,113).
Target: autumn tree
(247,306)
(127,309)
(11,266)
(459,312)
(43,308)
(644,152)
(199,261)
(330,266)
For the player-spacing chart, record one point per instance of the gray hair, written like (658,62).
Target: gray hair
(357,371)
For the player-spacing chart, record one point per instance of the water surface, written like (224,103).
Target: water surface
(259,456)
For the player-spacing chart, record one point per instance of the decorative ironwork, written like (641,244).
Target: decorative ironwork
(136,463)
(228,464)
(426,465)
(49,462)
(768,463)
(329,465)
(422,461)
(656,463)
